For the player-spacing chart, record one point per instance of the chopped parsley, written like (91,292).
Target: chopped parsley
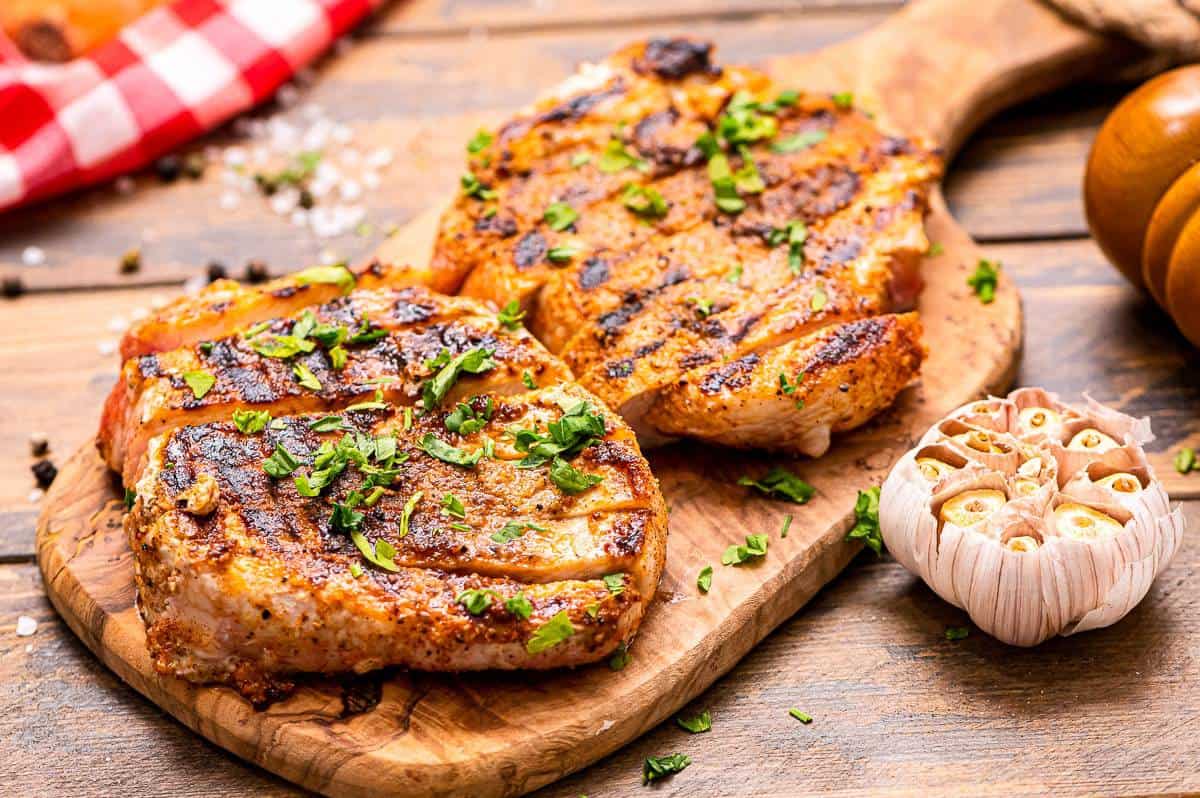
(305,377)
(781,483)
(519,606)
(659,767)
(479,142)
(280,464)
(561,254)
(515,529)
(734,275)
(473,188)
(620,657)
(365,334)
(615,583)
(794,234)
(866,520)
(336,274)
(578,428)
(130,498)
(249,422)
(282,346)
(337,357)
(473,361)
(435,447)
(617,157)
(569,479)
(697,725)
(754,548)
(645,202)
(800,716)
(1185,460)
(510,315)
(957,632)
(844,100)
(580,159)
(327,424)
(409,507)
(800,141)
(550,634)
(356,570)
(373,404)
(201,382)
(742,122)
(527,380)
(476,601)
(704,307)
(466,420)
(983,281)
(704,580)
(559,216)
(453,506)
(787,524)
(935,249)
(819,298)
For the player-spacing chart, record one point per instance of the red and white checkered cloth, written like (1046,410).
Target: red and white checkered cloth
(178,71)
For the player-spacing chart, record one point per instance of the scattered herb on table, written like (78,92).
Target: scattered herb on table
(957,632)
(1185,460)
(866,520)
(696,725)
(704,580)
(800,716)
(781,483)
(754,548)
(659,767)
(983,280)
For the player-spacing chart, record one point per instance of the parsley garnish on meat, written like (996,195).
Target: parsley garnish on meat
(578,428)
(659,767)
(615,583)
(336,274)
(644,201)
(697,725)
(479,142)
(409,507)
(510,315)
(476,601)
(473,361)
(844,100)
(754,548)
(305,377)
(616,158)
(130,498)
(866,520)
(559,216)
(704,307)
(453,506)
(466,420)
(620,658)
(473,188)
(519,606)
(249,422)
(800,141)
(435,447)
(515,529)
(819,298)
(280,464)
(781,483)
(561,254)
(527,380)
(794,233)
(983,281)
(569,479)
(550,634)
(327,424)
(201,382)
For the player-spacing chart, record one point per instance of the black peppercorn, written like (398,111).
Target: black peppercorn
(256,272)
(131,261)
(194,165)
(168,168)
(44,472)
(306,199)
(216,271)
(12,287)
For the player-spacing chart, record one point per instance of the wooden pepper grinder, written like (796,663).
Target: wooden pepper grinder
(1142,192)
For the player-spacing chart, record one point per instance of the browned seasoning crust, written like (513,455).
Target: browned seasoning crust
(245,579)
(644,299)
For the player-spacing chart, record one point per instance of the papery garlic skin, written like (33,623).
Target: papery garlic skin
(1055,525)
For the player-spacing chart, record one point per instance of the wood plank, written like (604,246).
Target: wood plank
(424,98)
(897,709)
(1086,329)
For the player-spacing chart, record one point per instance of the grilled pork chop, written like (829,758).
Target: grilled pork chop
(663,220)
(440,496)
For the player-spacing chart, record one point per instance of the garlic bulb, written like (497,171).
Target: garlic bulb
(1036,517)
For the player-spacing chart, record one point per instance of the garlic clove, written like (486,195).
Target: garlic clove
(1039,421)
(1080,522)
(972,507)
(1022,543)
(1030,468)
(1025,486)
(979,441)
(1092,440)
(934,469)
(1121,482)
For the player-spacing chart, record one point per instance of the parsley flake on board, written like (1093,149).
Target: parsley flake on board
(1185,460)
(550,634)
(704,580)
(957,632)
(803,717)
(983,280)
(201,382)
(511,315)
(249,422)
(787,524)
(754,548)
(659,767)
(473,361)
(620,657)
(866,520)
(559,216)
(697,725)
(781,483)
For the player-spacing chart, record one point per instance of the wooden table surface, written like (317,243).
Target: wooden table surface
(897,708)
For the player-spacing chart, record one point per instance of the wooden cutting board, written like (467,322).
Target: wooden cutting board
(939,67)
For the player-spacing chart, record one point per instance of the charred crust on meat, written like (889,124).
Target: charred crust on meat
(619,369)
(148,366)
(593,274)
(503,226)
(850,342)
(732,375)
(530,250)
(287,291)
(673,59)
(408,312)
(694,359)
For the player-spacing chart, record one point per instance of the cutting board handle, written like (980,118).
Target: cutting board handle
(940,67)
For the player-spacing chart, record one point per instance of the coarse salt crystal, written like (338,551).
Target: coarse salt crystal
(350,190)
(235,156)
(107,346)
(33,256)
(287,95)
(158,301)
(137,314)
(117,324)
(371,180)
(124,185)
(195,284)
(26,626)
(379,158)
(342,134)
(329,257)
(36,495)
(299,217)
(229,200)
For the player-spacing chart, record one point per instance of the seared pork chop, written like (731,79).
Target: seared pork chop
(438,495)
(660,217)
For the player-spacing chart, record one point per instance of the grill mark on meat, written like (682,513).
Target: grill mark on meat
(676,58)
(648,349)
(503,226)
(572,109)
(619,369)
(594,273)
(408,312)
(694,359)
(823,192)
(650,138)
(732,375)
(148,366)
(530,250)
(614,321)
(850,342)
